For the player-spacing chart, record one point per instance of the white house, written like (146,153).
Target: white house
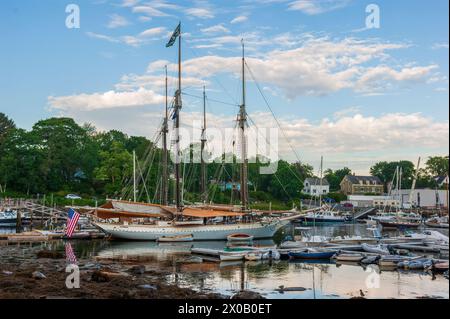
(313,187)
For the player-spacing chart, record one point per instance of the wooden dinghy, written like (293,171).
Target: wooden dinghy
(349,257)
(239,237)
(231,257)
(176,239)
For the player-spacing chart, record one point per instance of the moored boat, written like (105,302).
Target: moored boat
(377,249)
(349,257)
(311,254)
(437,222)
(239,237)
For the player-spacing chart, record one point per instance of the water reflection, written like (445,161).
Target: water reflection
(319,279)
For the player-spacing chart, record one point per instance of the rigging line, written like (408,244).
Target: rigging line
(278,180)
(201,97)
(267,141)
(214,78)
(273,114)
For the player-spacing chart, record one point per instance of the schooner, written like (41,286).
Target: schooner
(192,221)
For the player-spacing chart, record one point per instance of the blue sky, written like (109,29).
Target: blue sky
(352,94)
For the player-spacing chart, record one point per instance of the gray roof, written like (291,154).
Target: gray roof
(440,179)
(356,179)
(316,181)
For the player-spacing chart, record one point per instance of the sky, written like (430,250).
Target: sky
(337,87)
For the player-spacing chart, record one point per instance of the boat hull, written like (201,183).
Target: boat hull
(210,232)
(311,255)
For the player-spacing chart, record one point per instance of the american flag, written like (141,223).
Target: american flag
(70,255)
(72,221)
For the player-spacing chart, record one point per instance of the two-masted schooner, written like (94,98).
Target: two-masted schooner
(200,222)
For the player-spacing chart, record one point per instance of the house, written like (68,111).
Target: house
(441,180)
(360,185)
(312,186)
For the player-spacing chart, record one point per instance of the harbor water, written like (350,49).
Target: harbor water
(307,280)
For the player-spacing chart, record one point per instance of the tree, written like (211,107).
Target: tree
(334,178)
(385,172)
(437,165)
(115,168)
(6,126)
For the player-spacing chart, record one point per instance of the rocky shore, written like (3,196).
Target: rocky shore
(31,274)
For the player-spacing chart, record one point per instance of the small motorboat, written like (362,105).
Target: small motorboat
(349,257)
(399,223)
(231,256)
(416,264)
(377,249)
(440,266)
(239,238)
(437,222)
(311,254)
(390,261)
(175,239)
(370,260)
(252,256)
(8,218)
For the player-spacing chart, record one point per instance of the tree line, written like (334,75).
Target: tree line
(59,156)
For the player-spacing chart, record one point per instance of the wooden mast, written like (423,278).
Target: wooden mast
(203,177)
(242,124)
(178,105)
(165,131)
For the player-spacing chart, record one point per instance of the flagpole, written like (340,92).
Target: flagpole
(177,126)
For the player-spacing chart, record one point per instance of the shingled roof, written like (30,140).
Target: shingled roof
(357,179)
(314,181)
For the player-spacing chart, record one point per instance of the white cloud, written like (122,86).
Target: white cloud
(106,100)
(320,66)
(441,45)
(239,19)
(101,37)
(149,11)
(219,28)
(129,3)
(313,7)
(117,21)
(202,13)
(153,32)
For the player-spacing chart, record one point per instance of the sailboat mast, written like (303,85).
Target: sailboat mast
(178,105)
(134,176)
(165,177)
(203,142)
(242,124)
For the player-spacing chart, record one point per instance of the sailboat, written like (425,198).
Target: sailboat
(190,221)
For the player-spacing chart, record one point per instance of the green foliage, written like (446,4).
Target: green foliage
(437,165)
(334,178)
(338,197)
(386,170)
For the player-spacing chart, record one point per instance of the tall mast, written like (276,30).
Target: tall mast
(165,131)
(321,176)
(413,186)
(242,124)
(204,193)
(178,105)
(134,176)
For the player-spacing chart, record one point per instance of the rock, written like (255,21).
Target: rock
(49,254)
(137,270)
(38,275)
(247,295)
(99,276)
(7,273)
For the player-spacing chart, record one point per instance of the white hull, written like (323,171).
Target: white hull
(208,232)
